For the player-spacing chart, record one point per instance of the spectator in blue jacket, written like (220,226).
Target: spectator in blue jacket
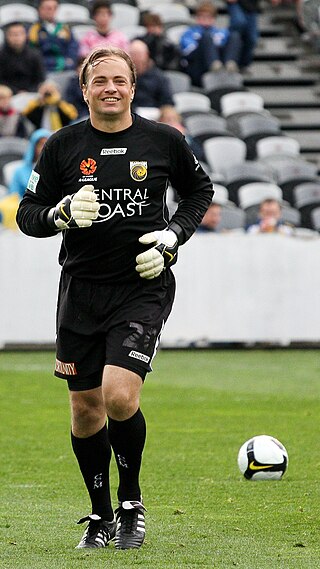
(22,173)
(206,47)
(54,39)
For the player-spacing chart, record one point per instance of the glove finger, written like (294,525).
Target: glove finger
(148,238)
(83,195)
(83,214)
(148,256)
(83,222)
(80,205)
(87,188)
(151,273)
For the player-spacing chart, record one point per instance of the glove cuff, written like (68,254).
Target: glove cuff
(50,220)
(178,231)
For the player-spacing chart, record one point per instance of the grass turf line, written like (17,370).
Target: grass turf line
(200,407)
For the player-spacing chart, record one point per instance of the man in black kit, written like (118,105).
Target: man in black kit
(102,183)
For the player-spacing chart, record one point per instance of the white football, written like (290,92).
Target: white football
(263,458)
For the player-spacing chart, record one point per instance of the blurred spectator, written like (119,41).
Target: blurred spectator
(104,34)
(244,20)
(21,66)
(164,52)
(22,173)
(206,47)
(169,115)
(54,39)
(211,219)
(11,122)
(74,95)
(49,110)
(153,88)
(269,219)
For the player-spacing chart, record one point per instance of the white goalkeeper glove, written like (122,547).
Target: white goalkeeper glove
(163,254)
(78,210)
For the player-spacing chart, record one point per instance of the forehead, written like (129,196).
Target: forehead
(109,67)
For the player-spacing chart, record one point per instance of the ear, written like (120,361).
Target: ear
(84,93)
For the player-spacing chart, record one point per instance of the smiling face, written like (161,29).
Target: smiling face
(108,93)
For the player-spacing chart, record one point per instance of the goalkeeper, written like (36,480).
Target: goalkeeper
(101,183)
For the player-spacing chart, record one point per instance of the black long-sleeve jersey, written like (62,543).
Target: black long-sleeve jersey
(130,171)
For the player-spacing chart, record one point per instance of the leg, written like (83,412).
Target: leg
(201,59)
(250,39)
(127,432)
(91,446)
(232,49)
(126,425)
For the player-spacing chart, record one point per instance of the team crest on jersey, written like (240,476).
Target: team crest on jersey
(88,167)
(138,171)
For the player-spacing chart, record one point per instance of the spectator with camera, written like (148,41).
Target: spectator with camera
(49,110)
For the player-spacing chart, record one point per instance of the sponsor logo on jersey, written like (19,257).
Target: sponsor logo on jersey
(88,167)
(139,356)
(66,368)
(33,181)
(109,151)
(138,171)
(123,202)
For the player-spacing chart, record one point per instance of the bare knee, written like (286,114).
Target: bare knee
(121,392)
(87,412)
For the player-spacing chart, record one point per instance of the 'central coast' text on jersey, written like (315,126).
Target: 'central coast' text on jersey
(130,171)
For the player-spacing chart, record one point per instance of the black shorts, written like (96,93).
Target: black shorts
(100,324)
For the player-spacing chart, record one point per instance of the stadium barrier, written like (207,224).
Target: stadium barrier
(230,288)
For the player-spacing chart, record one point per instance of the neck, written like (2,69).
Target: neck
(111,123)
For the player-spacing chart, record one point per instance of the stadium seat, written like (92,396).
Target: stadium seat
(174,33)
(221,148)
(216,85)
(17,12)
(191,101)
(172,13)
(133,31)
(232,217)
(61,78)
(124,15)
(253,194)
(277,145)
(71,13)
(79,30)
(11,148)
(307,198)
(239,101)
(179,82)
(204,126)
(237,175)
(253,127)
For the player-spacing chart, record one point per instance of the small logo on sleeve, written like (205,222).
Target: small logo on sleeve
(33,181)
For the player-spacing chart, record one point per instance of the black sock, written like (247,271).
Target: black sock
(127,439)
(93,455)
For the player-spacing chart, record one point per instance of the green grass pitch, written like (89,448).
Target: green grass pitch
(200,406)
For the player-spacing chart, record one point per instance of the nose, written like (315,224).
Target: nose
(109,86)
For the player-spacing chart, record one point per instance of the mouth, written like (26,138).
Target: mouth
(110,99)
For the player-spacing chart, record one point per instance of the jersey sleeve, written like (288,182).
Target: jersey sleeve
(42,193)
(193,186)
